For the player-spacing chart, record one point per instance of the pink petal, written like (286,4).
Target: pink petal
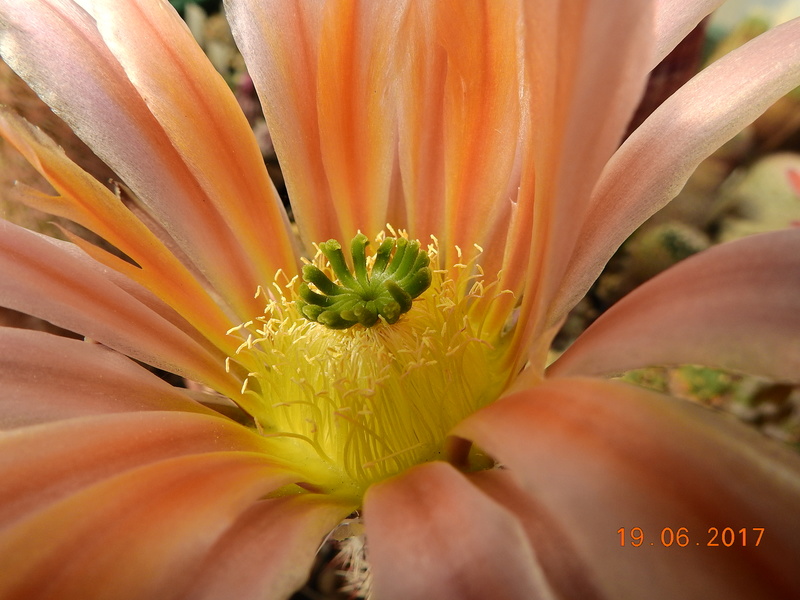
(562,568)
(675,19)
(141,534)
(45,464)
(41,279)
(48,378)
(736,306)
(194,106)
(54,45)
(584,88)
(598,456)
(431,534)
(654,163)
(85,201)
(321,70)
(269,551)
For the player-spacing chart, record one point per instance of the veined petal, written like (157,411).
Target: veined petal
(675,19)
(433,535)
(44,464)
(202,119)
(40,40)
(735,306)
(421,73)
(355,109)
(574,74)
(141,534)
(43,280)
(269,550)
(656,160)
(46,378)
(85,201)
(322,72)
(599,456)
(474,69)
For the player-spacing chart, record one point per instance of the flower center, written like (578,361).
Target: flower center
(367,379)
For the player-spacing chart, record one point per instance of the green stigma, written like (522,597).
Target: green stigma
(399,273)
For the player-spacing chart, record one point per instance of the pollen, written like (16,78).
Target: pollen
(370,393)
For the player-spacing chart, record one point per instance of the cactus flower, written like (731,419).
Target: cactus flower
(456,182)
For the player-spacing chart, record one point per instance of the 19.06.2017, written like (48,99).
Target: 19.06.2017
(682,537)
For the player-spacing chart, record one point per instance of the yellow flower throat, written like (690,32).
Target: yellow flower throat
(376,391)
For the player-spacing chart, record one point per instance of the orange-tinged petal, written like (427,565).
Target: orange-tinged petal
(735,306)
(431,534)
(656,160)
(45,378)
(480,119)
(43,279)
(202,119)
(45,464)
(269,551)
(138,535)
(355,109)
(575,75)
(322,72)
(83,200)
(40,40)
(421,72)
(598,456)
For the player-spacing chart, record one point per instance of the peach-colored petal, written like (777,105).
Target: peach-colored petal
(735,306)
(562,568)
(40,39)
(654,163)
(83,200)
(138,535)
(48,378)
(322,72)
(599,456)
(431,534)
(269,551)
(574,75)
(479,43)
(202,119)
(421,73)
(675,19)
(44,464)
(43,280)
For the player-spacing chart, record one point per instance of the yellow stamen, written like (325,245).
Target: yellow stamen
(370,402)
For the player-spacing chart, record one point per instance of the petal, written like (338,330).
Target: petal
(431,534)
(562,567)
(735,306)
(45,464)
(584,88)
(466,57)
(138,535)
(42,279)
(656,160)
(675,19)
(599,456)
(48,378)
(269,551)
(321,70)
(54,45)
(85,201)
(194,105)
